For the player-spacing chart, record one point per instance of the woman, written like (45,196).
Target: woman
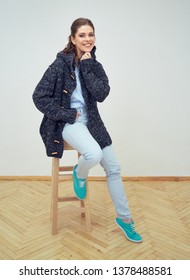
(67,95)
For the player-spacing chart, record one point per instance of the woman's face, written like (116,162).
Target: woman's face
(84,40)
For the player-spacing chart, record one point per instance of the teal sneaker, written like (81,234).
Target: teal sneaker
(129,230)
(79,185)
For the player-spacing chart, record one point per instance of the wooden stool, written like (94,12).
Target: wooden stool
(56,174)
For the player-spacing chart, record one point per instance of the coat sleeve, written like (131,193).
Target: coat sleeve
(45,99)
(95,78)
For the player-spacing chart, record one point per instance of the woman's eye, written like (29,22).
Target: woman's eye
(83,35)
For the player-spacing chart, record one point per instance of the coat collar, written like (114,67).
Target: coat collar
(69,58)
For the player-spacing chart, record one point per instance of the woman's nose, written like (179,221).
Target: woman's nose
(87,38)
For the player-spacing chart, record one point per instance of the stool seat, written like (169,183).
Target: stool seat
(66,173)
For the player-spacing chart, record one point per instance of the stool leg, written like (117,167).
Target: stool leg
(54,202)
(82,206)
(86,202)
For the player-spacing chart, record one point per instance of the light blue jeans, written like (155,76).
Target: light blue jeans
(79,137)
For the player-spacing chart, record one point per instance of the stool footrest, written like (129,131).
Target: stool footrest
(69,198)
(66,168)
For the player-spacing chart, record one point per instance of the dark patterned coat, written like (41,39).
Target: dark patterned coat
(52,97)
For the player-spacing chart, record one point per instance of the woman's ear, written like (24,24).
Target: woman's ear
(73,40)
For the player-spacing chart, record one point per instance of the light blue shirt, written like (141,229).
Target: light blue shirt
(77,99)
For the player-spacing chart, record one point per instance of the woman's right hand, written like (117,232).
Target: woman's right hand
(86,55)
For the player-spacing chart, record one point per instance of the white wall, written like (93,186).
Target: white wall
(144,47)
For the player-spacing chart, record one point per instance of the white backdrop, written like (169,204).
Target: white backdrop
(144,47)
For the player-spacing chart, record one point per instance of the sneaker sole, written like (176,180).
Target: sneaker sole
(135,241)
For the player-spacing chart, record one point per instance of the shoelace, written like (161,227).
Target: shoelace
(132,226)
(81,183)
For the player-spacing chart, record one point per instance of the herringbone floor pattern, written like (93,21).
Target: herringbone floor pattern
(161,211)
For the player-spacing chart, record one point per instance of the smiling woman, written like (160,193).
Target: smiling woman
(67,95)
(84,41)
(82,38)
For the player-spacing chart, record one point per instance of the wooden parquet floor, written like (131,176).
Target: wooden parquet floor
(161,211)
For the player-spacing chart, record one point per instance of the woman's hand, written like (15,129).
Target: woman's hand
(77,115)
(86,55)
